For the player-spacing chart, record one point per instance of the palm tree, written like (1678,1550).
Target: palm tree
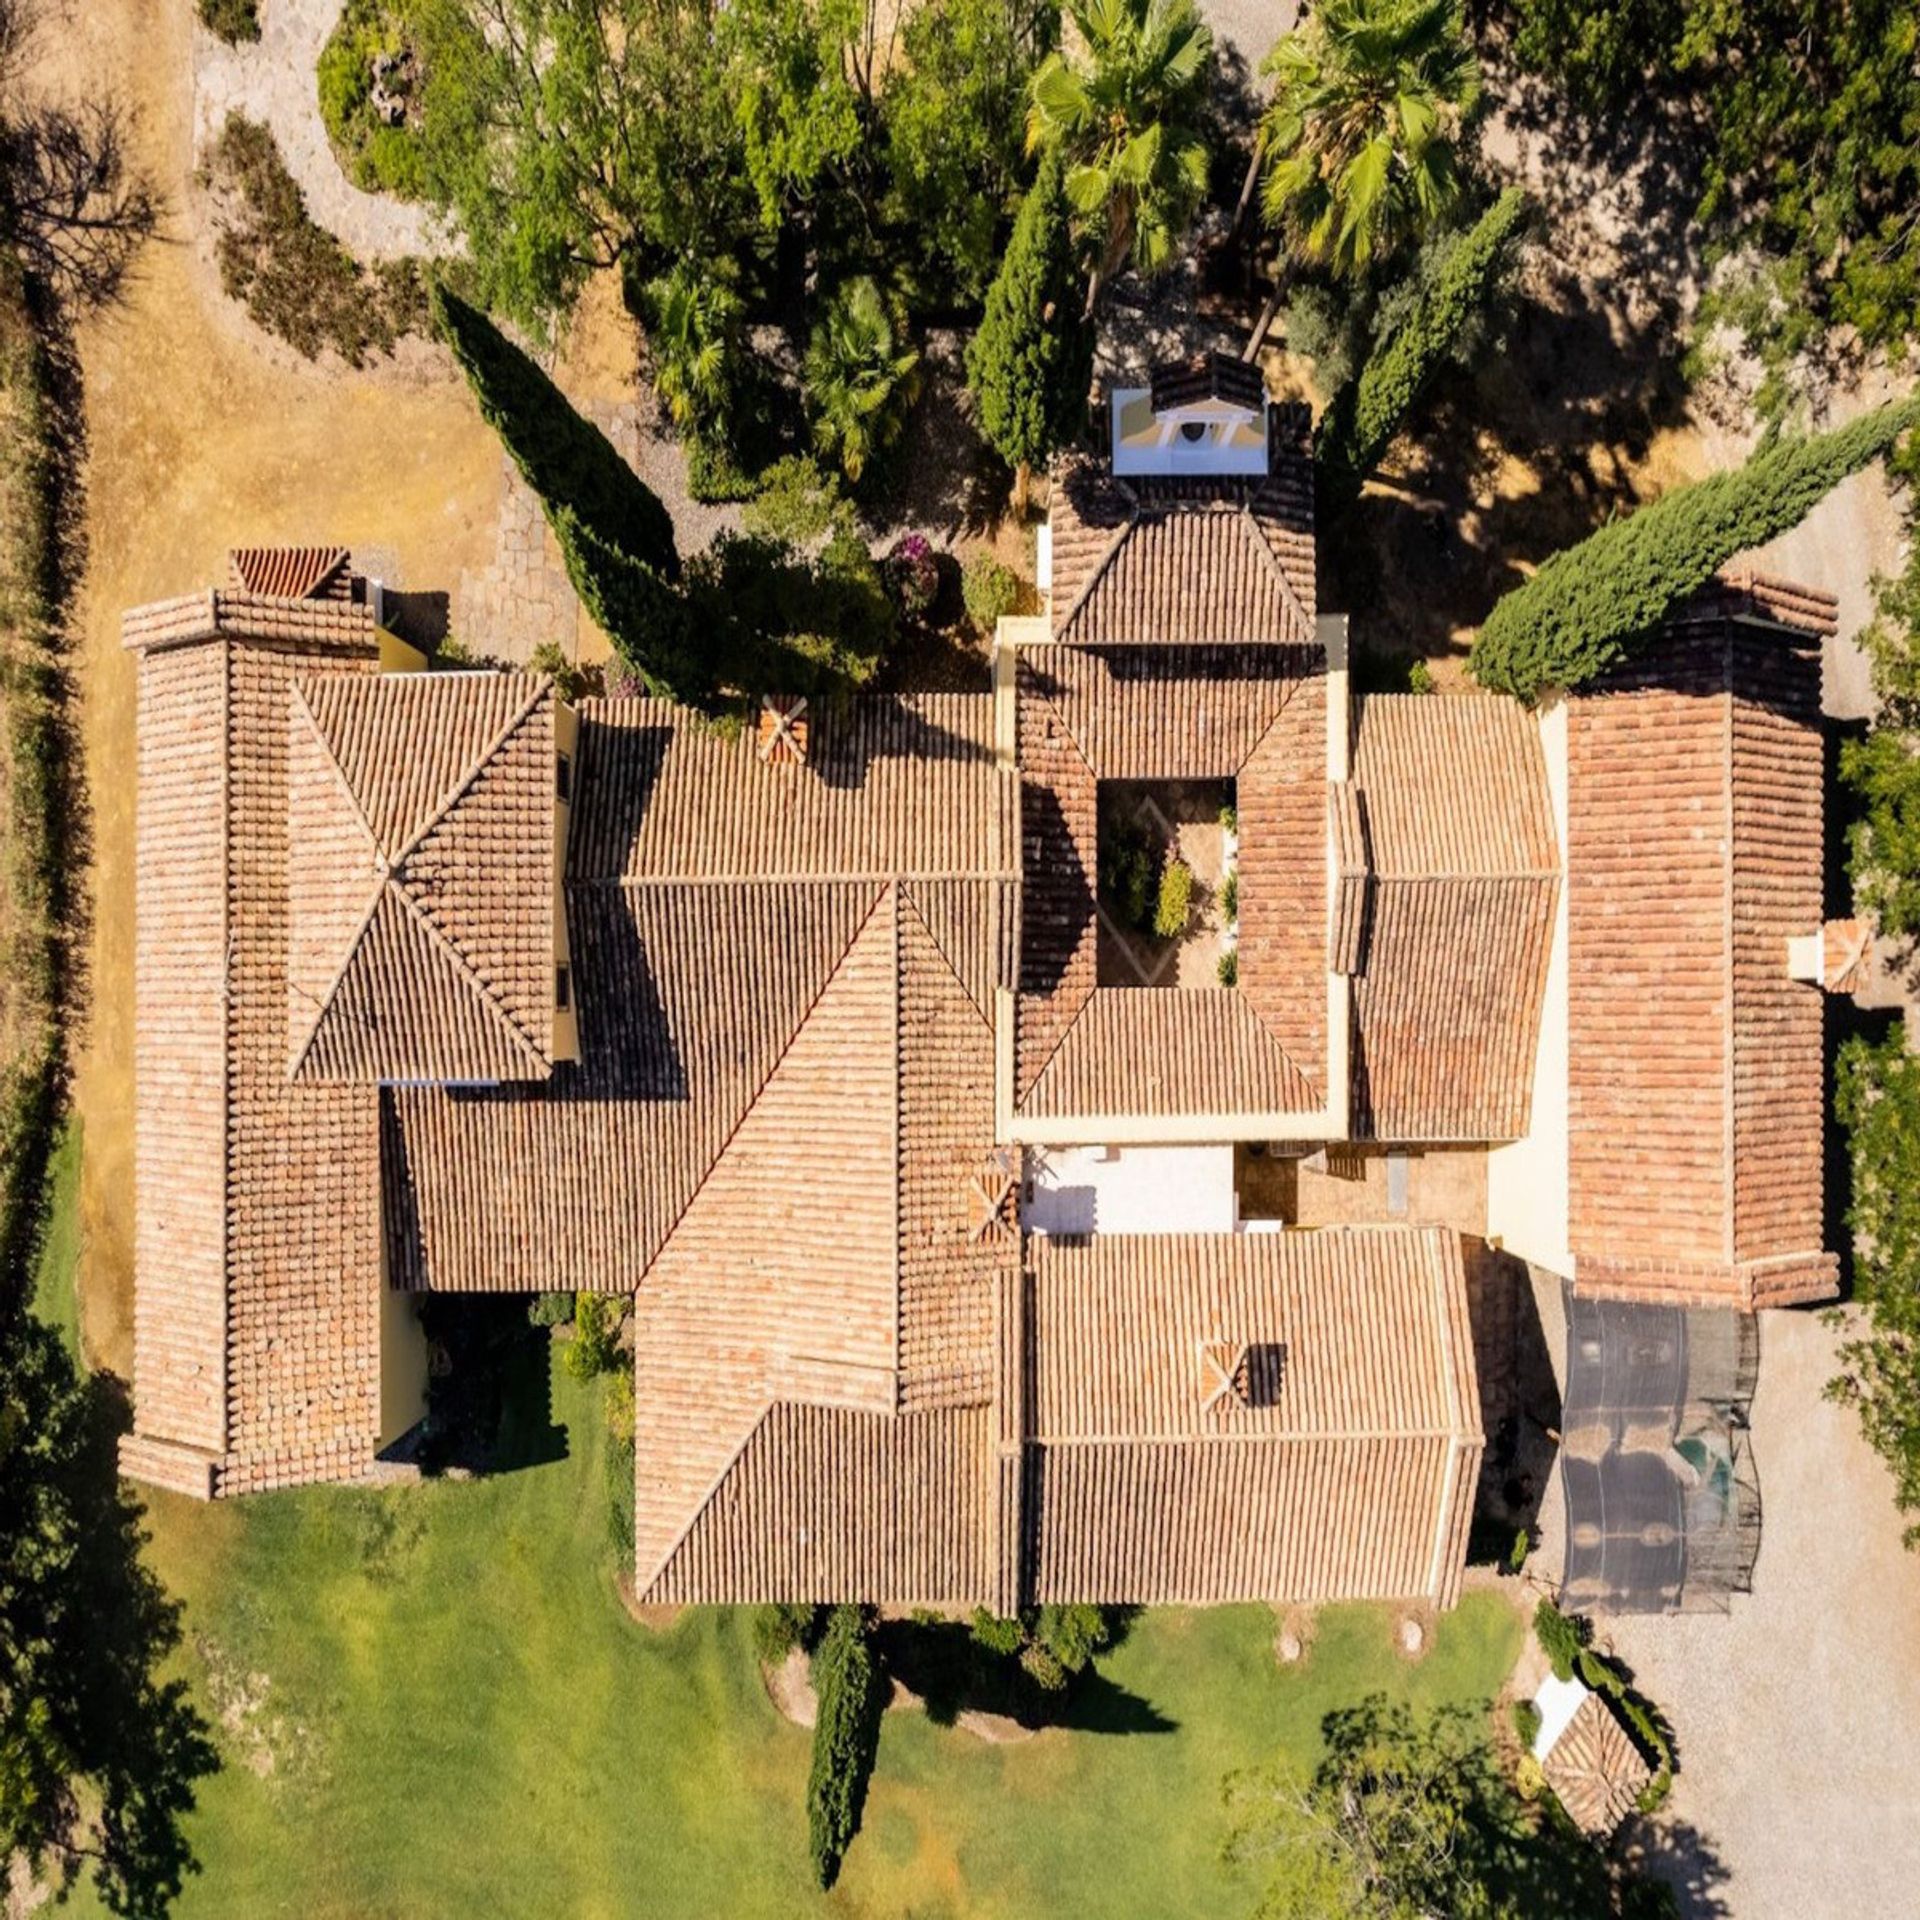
(862,373)
(1361,140)
(1127,123)
(693,323)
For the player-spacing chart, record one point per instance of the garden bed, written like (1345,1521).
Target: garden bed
(370,77)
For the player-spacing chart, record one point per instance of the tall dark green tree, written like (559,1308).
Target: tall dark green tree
(1589,605)
(614,535)
(846,1733)
(566,460)
(1029,363)
(1374,403)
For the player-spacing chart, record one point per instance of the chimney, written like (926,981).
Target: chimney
(782,739)
(1837,957)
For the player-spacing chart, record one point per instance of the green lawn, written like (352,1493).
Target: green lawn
(56,1292)
(431,1702)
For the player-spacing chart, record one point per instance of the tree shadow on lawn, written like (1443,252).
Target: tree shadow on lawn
(941,1662)
(136,1744)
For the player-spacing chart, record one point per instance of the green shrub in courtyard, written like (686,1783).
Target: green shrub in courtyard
(551,1309)
(596,1328)
(1174,905)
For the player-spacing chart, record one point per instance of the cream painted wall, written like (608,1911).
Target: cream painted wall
(1527,1179)
(403,1365)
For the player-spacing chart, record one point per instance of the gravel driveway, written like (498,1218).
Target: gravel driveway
(1797,1715)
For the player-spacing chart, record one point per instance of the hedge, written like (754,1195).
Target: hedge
(1594,603)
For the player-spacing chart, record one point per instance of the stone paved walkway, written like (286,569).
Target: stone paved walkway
(522,598)
(272,80)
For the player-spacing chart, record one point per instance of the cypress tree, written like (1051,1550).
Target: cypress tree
(1363,417)
(1028,365)
(566,460)
(1589,605)
(846,1734)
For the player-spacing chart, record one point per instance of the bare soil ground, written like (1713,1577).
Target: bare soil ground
(206,435)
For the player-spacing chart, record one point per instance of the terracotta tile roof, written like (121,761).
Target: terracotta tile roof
(1190,560)
(291,573)
(895,785)
(1207,376)
(1459,901)
(1343,1468)
(310,625)
(830,1262)
(1255,715)
(1694,856)
(256,1336)
(1595,1770)
(422,940)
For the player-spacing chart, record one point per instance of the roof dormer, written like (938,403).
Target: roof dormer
(1202,416)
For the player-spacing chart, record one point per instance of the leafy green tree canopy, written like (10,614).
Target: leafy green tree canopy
(1589,605)
(1806,115)
(1371,406)
(1126,118)
(1361,141)
(99,1756)
(1411,1818)
(561,135)
(955,121)
(862,373)
(1884,769)
(1877,1100)
(1029,363)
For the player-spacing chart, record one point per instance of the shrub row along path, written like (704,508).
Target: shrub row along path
(272,80)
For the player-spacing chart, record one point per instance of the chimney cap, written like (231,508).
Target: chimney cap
(782,736)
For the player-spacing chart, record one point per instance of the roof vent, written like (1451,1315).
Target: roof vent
(1246,1375)
(990,1197)
(783,733)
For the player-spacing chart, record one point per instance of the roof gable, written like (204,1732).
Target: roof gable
(422,824)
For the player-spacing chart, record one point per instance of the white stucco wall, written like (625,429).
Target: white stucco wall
(1179,1189)
(1527,1179)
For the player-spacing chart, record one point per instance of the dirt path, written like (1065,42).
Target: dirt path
(272,79)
